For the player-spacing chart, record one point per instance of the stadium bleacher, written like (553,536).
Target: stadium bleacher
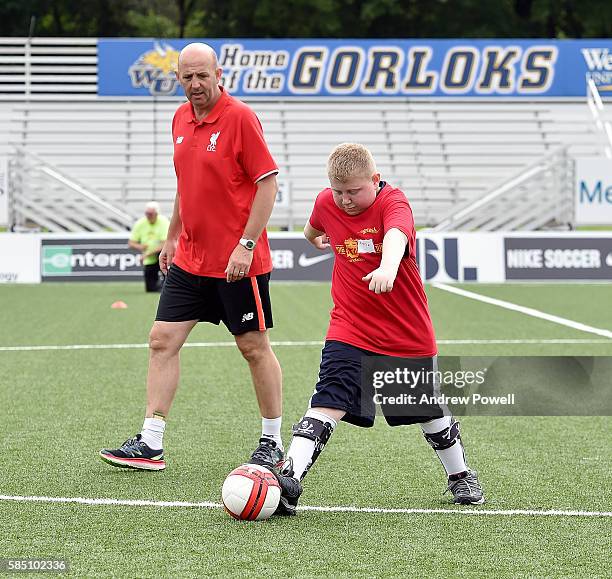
(444,154)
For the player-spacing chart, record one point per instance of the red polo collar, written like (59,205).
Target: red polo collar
(215,112)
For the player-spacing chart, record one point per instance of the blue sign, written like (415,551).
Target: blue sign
(366,68)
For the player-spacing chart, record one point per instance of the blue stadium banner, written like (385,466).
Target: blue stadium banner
(366,68)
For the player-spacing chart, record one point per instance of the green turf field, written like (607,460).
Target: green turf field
(60,406)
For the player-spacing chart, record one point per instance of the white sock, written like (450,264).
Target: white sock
(302,449)
(436,425)
(271,428)
(153,433)
(452,459)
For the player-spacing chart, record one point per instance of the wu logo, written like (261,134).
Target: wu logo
(213,141)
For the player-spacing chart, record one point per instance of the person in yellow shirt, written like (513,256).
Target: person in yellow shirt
(148,236)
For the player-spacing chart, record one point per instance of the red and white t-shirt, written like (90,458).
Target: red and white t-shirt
(218,162)
(396,323)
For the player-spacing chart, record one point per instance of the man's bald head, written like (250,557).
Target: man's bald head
(200,74)
(198,51)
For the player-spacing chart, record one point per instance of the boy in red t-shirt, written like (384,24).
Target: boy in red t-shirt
(380,309)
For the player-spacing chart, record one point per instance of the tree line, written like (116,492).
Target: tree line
(308,18)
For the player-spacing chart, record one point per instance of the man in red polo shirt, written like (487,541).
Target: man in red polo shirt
(216,258)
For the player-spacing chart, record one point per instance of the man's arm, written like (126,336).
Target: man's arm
(157,249)
(174,230)
(137,246)
(241,258)
(262,207)
(382,278)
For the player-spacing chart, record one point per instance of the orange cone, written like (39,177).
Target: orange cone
(119,305)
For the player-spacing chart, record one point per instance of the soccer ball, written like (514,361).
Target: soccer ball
(250,493)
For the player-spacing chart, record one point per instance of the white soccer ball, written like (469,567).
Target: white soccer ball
(250,493)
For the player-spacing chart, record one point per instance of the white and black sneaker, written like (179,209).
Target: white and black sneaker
(291,489)
(134,453)
(267,454)
(465,488)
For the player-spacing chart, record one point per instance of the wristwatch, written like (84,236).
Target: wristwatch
(248,243)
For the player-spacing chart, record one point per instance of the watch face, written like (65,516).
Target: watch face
(249,244)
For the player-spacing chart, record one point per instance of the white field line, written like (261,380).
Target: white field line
(225,344)
(288,344)
(524,310)
(339,509)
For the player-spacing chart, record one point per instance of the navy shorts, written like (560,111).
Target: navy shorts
(243,305)
(341,386)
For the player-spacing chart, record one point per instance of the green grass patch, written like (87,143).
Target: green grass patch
(60,407)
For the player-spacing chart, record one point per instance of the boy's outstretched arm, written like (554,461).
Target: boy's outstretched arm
(318,238)
(382,278)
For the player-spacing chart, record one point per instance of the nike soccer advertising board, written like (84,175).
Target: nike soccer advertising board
(553,257)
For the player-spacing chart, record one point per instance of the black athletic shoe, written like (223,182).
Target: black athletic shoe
(466,490)
(291,489)
(134,453)
(267,454)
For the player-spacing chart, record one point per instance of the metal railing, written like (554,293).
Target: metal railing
(596,107)
(122,150)
(41,196)
(540,196)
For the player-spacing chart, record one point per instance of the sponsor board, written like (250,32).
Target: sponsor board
(451,258)
(460,257)
(93,259)
(109,259)
(295,259)
(366,68)
(442,257)
(593,191)
(19,258)
(570,257)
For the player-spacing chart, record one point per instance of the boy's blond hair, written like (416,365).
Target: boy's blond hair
(349,160)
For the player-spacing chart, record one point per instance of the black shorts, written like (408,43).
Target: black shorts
(243,306)
(341,386)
